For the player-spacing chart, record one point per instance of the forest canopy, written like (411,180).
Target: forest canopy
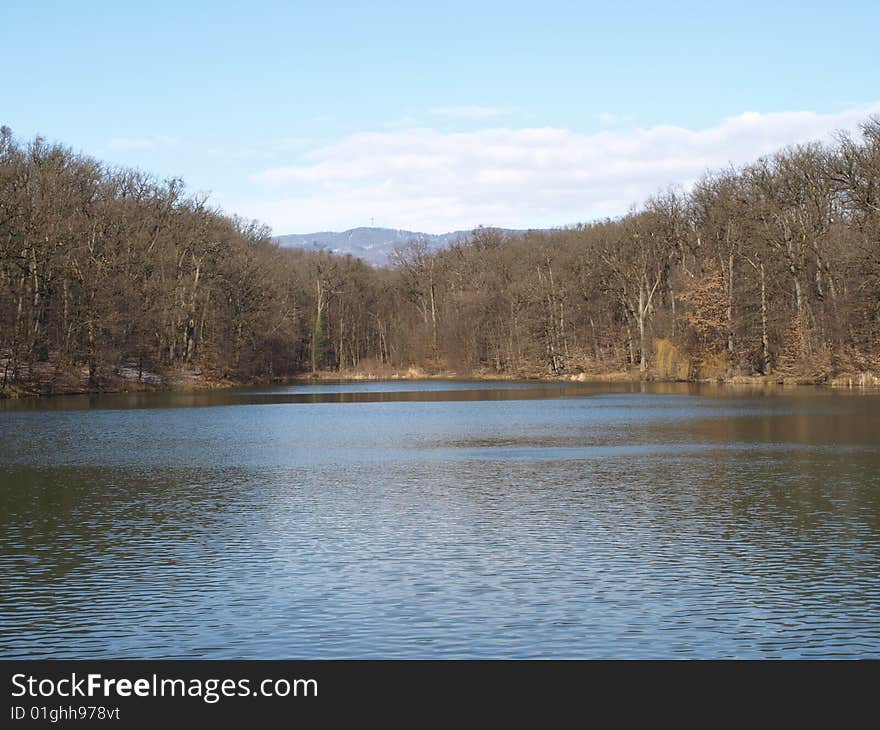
(768,269)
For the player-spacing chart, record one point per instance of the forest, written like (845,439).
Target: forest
(113,279)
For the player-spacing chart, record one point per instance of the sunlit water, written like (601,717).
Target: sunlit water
(442,519)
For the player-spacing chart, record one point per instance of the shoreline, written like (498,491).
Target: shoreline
(183,382)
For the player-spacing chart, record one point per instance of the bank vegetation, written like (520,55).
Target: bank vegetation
(111,279)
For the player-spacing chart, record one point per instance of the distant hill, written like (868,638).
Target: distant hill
(373,245)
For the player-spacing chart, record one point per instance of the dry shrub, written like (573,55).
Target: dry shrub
(670,361)
(713,366)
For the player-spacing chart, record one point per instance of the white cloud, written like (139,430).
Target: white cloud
(434,181)
(142,143)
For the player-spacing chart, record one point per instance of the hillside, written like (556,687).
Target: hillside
(770,269)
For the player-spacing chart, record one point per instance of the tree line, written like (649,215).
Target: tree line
(772,268)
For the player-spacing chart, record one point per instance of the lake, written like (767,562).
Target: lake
(442,519)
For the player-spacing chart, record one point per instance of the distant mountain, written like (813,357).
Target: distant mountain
(373,245)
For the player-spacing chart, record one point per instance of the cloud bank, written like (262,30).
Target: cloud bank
(434,181)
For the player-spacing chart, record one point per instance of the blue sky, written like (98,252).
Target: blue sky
(434,116)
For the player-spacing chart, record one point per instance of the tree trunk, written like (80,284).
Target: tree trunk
(765,345)
(643,358)
(730,304)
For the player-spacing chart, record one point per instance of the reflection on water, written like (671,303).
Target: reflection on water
(441,519)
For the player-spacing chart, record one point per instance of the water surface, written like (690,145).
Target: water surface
(442,519)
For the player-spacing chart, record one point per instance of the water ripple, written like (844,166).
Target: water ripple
(595,524)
